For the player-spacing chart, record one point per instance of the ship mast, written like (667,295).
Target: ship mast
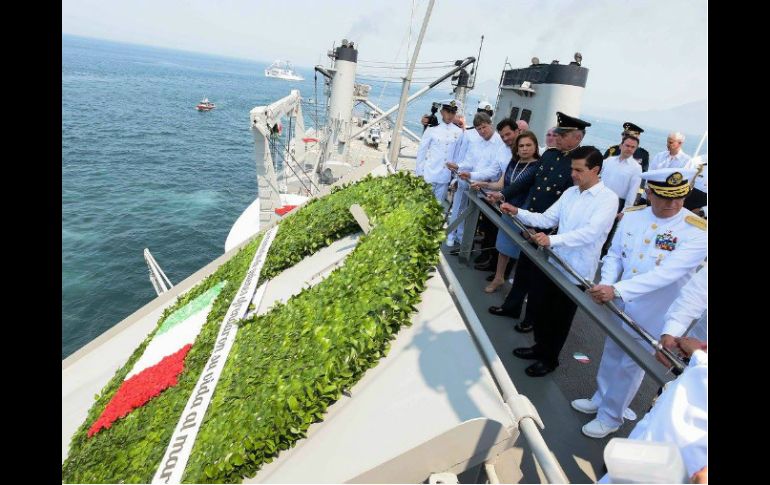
(395,146)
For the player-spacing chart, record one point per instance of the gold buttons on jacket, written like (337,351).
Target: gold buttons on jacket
(646,241)
(654,226)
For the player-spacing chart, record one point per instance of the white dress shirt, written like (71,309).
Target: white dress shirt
(470,135)
(486,160)
(437,146)
(622,176)
(691,303)
(665,160)
(584,220)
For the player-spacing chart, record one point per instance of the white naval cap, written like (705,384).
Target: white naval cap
(485,106)
(669,183)
(452,105)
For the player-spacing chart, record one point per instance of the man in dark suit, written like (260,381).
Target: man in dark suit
(553,177)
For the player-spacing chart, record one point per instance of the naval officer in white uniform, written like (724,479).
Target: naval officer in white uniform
(680,414)
(653,254)
(437,147)
(691,305)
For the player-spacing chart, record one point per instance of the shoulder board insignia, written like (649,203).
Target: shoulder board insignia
(612,151)
(634,208)
(696,221)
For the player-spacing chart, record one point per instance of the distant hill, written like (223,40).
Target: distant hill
(687,118)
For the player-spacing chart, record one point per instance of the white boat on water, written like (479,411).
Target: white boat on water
(283,70)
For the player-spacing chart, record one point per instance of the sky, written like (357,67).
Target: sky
(641,54)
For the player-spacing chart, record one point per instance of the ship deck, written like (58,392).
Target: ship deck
(581,457)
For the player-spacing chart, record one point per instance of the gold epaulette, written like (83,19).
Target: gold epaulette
(696,221)
(634,208)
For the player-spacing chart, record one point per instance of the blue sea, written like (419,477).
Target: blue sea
(141,168)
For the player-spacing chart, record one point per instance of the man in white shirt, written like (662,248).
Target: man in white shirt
(674,157)
(470,135)
(485,160)
(550,140)
(653,254)
(623,175)
(584,214)
(437,147)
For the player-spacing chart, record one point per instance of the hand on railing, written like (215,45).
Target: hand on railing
(494,197)
(541,239)
(601,293)
(507,208)
(669,342)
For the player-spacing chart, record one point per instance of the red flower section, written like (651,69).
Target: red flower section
(142,387)
(283,210)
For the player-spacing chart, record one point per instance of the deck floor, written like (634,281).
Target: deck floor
(581,457)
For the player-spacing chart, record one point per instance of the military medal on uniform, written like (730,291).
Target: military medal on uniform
(666,241)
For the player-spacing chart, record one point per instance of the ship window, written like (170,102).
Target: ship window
(514,113)
(526,115)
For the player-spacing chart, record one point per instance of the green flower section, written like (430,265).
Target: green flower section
(287,366)
(191,308)
(129,451)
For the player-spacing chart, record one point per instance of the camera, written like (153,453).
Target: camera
(432,118)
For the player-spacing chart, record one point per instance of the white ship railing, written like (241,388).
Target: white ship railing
(158,278)
(524,412)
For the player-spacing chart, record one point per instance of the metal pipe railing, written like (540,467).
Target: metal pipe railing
(528,426)
(601,314)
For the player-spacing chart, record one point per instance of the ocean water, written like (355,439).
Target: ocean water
(141,168)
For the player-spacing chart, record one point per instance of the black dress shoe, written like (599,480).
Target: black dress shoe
(526,353)
(539,369)
(524,327)
(485,266)
(498,310)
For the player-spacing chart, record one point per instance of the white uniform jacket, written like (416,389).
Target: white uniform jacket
(651,259)
(437,146)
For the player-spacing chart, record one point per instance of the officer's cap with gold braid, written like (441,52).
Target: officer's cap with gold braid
(632,129)
(566,123)
(669,183)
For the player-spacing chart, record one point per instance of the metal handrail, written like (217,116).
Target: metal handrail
(602,315)
(527,424)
